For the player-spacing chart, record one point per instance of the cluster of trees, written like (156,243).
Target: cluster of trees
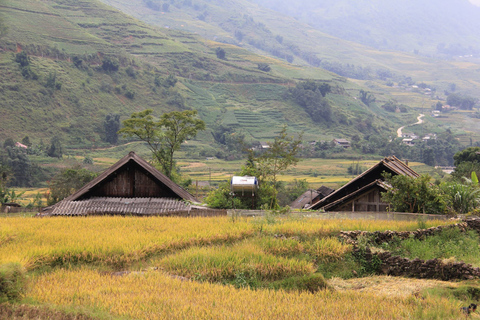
(433,152)
(439,151)
(24,61)
(394,106)
(66,182)
(348,70)
(420,195)
(466,161)
(16,168)
(462,102)
(232,143)
(266,166)
(51,80)
(311,96)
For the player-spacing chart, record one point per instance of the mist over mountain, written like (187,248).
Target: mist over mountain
(429,27)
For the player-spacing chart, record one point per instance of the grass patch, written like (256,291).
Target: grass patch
(25,311)
(226,264)
(449,244)
(311,282)
(12,282)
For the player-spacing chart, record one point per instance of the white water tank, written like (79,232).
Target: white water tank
(244,185)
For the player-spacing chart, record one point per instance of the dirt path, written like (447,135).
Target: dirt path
(420,121)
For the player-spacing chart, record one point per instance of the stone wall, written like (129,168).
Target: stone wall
(379,237)
(421,269)
(416,268)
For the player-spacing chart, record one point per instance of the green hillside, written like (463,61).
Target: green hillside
(67,90)
(390,74)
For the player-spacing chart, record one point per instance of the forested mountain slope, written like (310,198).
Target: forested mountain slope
(86,60)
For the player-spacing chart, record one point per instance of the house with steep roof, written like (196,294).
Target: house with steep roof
(363,193)
(131,186)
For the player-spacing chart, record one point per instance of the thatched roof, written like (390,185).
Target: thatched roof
(389,164)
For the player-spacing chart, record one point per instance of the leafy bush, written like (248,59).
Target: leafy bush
(67,182)
(414,195)
(264,67)
(22,58)
(220,52)
(310,282)
(12,282)
(110,64)
(221,198)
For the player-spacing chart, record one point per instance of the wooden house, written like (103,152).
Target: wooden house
(363,193)
(131,186)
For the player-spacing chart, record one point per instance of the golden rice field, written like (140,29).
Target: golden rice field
(155,295)
(71,260)
(121,240)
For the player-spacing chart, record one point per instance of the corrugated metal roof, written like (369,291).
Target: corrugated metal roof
(305,199)
(122,206)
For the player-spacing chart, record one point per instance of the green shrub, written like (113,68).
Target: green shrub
(310,282)
(12,282)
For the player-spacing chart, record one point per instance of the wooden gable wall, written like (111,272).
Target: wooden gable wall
(131,181)
(369,201)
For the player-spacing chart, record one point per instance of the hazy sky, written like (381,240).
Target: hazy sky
(475,2)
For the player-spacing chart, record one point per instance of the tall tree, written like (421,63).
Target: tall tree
(178,126)
(281,154)
(366,97)
(220,52)
(111,124)
(164,136)
(56,149)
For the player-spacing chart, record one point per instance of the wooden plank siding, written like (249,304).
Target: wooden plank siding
(370,201)
(131,181)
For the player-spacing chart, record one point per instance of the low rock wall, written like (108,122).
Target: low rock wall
(421,269)
(416,268)
(379,237)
